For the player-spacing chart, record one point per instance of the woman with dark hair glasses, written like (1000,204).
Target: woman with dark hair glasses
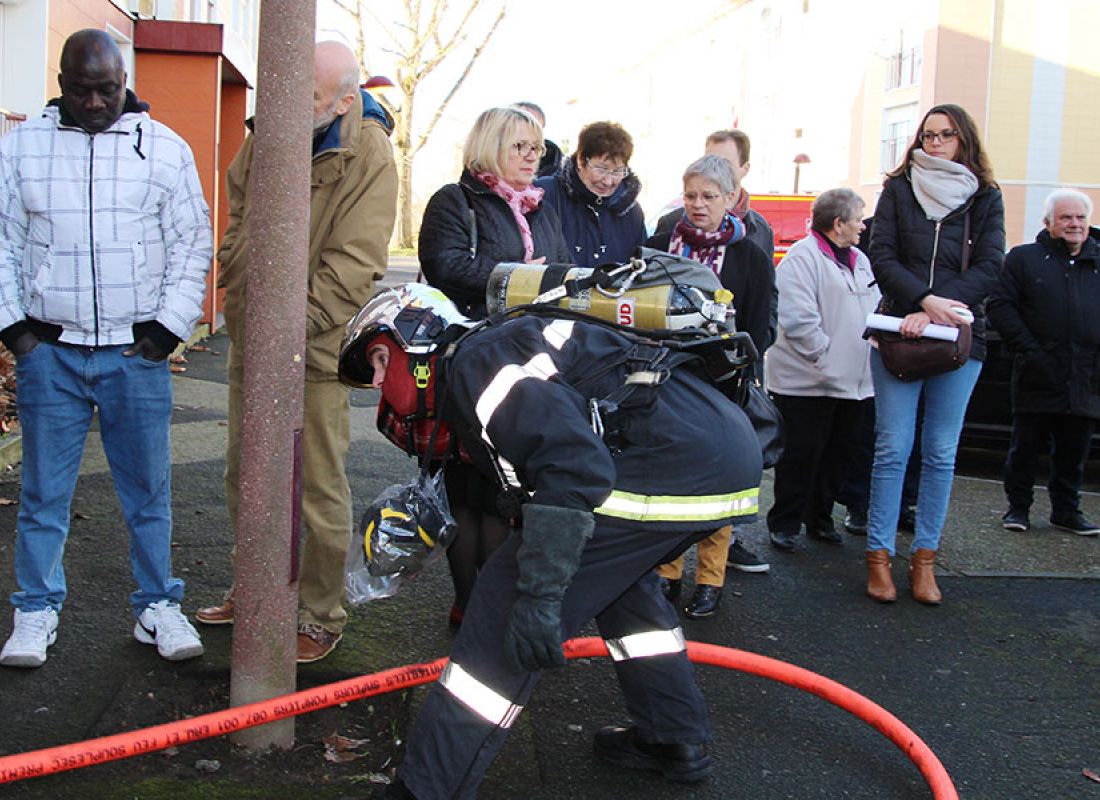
(596,196)
(937,248)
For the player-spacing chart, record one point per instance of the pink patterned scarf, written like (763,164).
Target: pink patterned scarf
(521,201)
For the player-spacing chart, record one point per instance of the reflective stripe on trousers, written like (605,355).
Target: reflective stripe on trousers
(491,706)
(644,645)
(680,508)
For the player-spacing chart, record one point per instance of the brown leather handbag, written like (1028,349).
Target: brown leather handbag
(916,359)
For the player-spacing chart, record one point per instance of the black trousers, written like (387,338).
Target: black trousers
(452,745)
(818,433)
(1066,438)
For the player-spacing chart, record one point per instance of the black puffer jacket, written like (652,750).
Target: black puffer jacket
(903,241)
(1045,308)
(447,253)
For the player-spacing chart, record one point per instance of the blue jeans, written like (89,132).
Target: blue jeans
(59,389)
(945,399)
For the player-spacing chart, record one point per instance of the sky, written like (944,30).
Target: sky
(561,55)
(670,74)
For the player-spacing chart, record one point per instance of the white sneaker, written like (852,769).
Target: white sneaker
(34,632)
(164,625)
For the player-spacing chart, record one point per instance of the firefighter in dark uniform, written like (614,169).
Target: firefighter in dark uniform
(675,460)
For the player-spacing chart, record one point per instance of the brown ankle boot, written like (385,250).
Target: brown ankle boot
(880,584)
(922,578)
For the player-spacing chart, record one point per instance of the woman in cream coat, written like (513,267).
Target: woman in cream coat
(818,369)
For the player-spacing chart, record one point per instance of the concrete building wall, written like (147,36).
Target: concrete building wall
(1028,71)
(68,16)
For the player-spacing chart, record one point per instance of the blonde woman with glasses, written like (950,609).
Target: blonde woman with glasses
(492,215)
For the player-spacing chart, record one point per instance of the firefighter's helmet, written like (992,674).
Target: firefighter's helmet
(414,314)
(406,528)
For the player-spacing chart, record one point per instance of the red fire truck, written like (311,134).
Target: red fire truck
(789,216)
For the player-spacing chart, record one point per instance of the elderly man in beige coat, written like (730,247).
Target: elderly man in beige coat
(352,210)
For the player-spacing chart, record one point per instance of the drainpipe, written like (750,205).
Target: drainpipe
(266,580)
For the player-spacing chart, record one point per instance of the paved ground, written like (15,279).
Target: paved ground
(1001,681)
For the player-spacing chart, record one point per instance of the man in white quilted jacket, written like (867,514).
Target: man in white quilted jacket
(105,241)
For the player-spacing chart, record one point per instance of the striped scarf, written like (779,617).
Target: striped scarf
(706,247)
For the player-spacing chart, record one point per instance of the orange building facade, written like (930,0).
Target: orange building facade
(195,76)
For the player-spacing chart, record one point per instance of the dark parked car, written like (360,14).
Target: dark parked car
(988,422)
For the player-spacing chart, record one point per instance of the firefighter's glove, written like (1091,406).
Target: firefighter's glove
(553,542)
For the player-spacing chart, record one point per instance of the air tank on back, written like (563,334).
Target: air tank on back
(655,306)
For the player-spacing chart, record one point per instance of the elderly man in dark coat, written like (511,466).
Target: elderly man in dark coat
(1045,309)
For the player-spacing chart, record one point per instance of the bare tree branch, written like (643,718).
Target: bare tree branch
(454,89)
(443,49)
(420,43)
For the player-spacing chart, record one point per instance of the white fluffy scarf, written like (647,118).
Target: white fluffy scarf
(940,185)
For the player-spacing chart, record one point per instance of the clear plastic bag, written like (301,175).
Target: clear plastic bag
(406,529)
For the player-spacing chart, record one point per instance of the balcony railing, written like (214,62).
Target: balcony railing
(903,68)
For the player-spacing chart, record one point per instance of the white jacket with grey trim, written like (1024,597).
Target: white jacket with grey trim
(823,307)
(98,232)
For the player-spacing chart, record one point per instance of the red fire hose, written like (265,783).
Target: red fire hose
(147,740)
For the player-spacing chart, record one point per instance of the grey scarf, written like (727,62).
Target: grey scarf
(940,185)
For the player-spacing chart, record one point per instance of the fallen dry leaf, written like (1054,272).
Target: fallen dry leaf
(1092,776)
(198,348)
(340,749)
(4,501)
(177,369)
(80,515)
(342,743)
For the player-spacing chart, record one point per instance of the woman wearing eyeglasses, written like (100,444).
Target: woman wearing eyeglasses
(709,233)
(596,197)
(492,215)
(937,248)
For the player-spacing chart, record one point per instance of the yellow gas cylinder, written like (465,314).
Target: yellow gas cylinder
(653,307)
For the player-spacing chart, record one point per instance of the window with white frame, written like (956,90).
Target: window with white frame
(903,66)
(897,132)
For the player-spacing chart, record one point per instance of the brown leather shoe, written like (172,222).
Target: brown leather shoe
(922,577)
(314,642)
(880,583)
(216,615)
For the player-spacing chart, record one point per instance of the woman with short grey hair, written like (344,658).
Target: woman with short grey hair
(843,204)
(819,370)
(709,233)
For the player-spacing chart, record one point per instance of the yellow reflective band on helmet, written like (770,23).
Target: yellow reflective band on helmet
(479,698)
(680,508)
(643,645)
(366,538)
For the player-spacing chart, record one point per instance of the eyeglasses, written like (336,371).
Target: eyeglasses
(525,149)
(618,174)
(945,136)
(708,197)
